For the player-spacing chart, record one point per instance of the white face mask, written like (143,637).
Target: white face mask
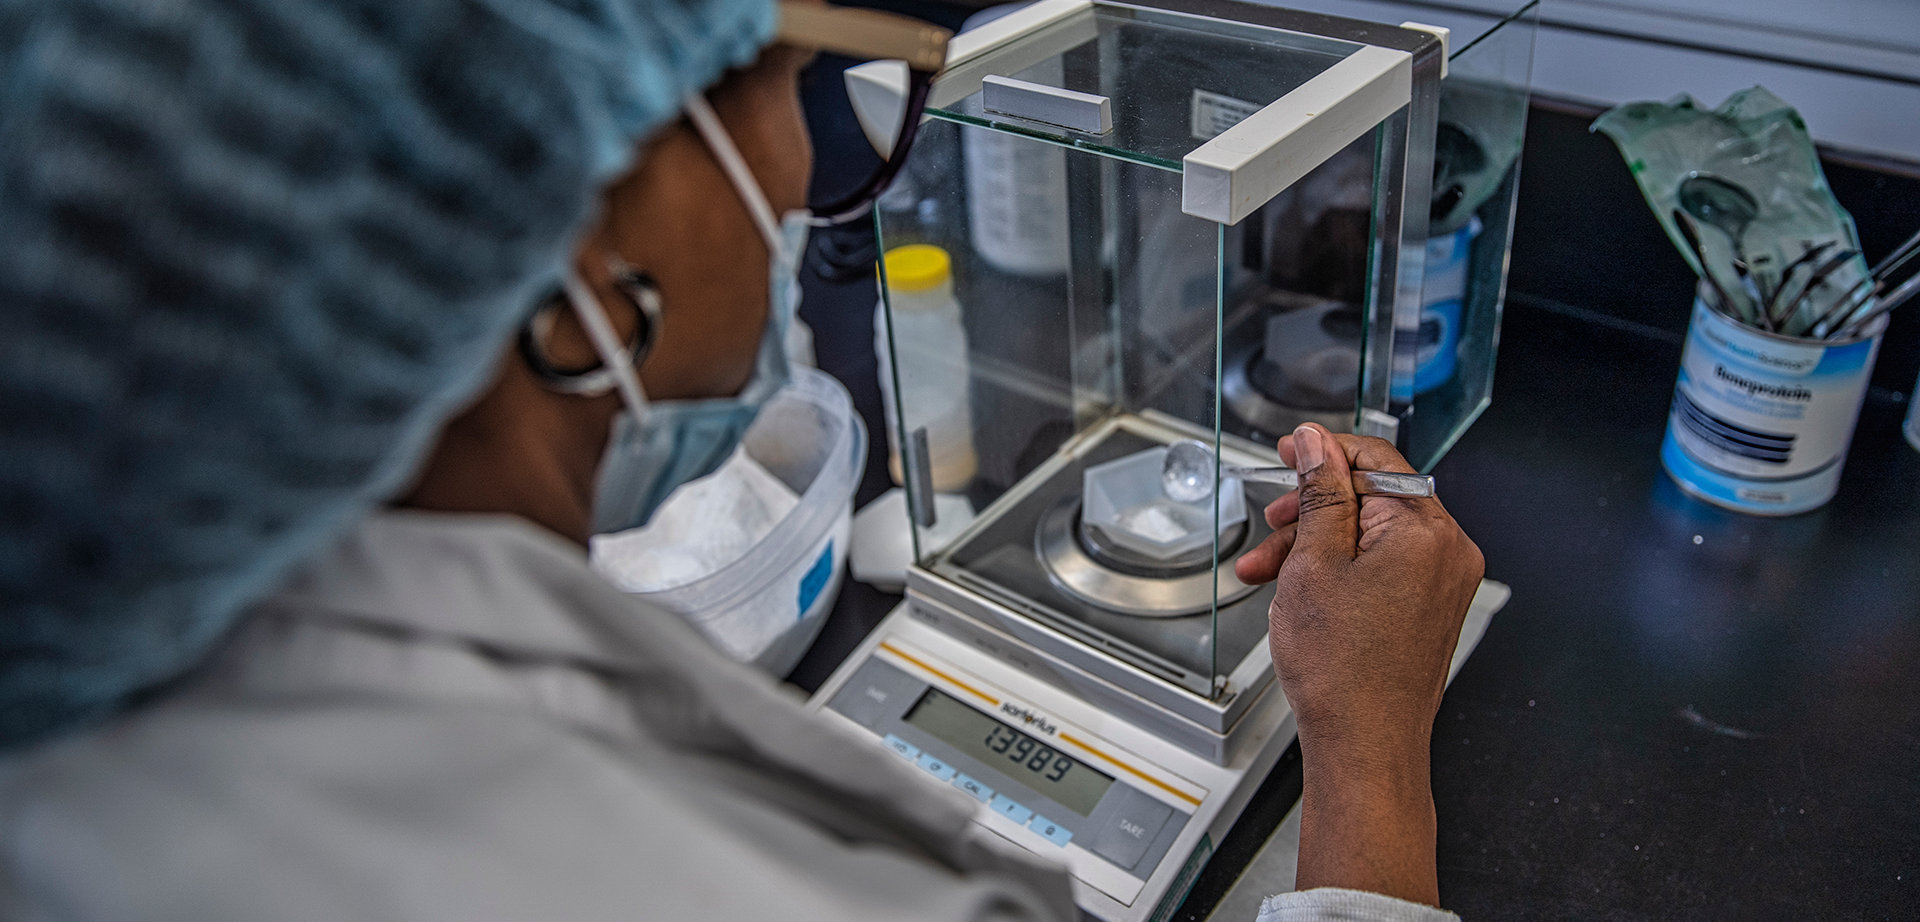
(657,446)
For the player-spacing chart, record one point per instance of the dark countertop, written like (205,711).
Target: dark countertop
(1683,712)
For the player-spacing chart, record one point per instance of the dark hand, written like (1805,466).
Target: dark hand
(1370,597)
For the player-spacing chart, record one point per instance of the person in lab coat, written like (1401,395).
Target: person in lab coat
(332,332)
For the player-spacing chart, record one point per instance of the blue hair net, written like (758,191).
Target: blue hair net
(252,254)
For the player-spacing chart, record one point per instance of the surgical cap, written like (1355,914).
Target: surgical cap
(253,253)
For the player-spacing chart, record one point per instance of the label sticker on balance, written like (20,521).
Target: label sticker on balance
(1213,113)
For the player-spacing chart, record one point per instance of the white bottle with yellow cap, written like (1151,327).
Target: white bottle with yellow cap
(931,373)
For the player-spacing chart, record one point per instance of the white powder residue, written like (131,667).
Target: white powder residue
(703,527)
(1153,521)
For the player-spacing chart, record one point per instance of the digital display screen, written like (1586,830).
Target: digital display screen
(1068,781)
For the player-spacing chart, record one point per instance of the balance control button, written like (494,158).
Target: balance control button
(935,767)
(1129,829)
(1011,809)
(905,749)
(1050,830)
(876,695)
(980,792)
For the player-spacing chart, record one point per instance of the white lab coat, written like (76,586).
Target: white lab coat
(450,717)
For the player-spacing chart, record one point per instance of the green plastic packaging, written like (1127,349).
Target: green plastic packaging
(1748,176)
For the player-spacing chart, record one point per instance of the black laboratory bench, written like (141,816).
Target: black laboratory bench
(1684,712)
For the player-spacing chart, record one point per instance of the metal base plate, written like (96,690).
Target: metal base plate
(1138,587)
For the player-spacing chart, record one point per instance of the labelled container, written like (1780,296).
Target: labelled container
(1017,192)
(1761,422)
(767,606)
(1443,293)
(1017,204)
(923,332)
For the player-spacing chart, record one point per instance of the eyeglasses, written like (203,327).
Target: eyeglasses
(592,380)
(868,35)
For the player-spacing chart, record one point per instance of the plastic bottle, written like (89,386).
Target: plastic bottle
(930,347)
(1017,202)
(1016,187)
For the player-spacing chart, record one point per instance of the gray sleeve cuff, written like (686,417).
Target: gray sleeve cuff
(1328,904)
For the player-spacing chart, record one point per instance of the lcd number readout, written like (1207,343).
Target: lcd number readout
(1065,780)
(1024,751)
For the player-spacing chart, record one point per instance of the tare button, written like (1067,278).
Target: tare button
(1132,825)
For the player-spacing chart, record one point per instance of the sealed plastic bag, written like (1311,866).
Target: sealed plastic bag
(1747,178)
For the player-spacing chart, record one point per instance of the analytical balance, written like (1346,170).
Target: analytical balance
(1182,219)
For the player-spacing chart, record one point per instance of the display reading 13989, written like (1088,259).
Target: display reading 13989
(1067,781)
(1018,746)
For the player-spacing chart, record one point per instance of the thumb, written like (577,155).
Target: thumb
(1329,512)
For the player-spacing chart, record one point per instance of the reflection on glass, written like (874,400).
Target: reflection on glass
(1483,120)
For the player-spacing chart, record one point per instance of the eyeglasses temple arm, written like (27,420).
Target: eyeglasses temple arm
(862,33)
(857,203)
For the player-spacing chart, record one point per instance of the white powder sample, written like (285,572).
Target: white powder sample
(1153,521)
(703,527)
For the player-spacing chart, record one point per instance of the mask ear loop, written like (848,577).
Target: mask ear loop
(587,307)
(600,332)
(735,166)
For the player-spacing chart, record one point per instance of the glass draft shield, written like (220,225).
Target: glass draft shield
(1125,224)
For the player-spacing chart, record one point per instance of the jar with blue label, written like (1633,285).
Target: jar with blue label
(1761,421)
(1443,293)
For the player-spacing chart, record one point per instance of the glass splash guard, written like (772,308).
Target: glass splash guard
(1125,224)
